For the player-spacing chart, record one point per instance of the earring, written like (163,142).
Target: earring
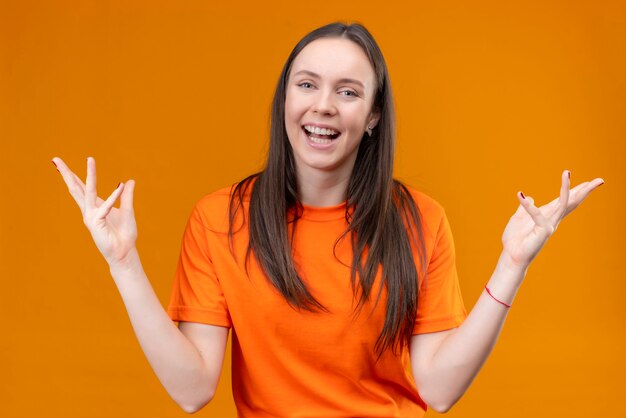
(369,131)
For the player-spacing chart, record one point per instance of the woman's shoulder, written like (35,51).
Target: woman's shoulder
(220,200)
(426,204)
(431,213)
(217,200)
(213,209)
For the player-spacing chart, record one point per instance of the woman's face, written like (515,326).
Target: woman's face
(328,105)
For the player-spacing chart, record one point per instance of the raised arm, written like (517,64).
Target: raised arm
(445,363)
(187,360)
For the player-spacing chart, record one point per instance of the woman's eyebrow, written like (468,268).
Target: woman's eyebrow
(343,80)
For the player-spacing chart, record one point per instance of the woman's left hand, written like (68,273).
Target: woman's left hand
(530,227)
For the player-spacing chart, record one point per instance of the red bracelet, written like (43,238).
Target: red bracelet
(496,299)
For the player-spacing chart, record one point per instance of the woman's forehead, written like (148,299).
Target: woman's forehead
(334,59)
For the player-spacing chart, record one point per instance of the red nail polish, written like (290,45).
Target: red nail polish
(569,174)
(118,184)
(55,166)
(523,197)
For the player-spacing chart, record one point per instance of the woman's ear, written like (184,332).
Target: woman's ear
(373,120)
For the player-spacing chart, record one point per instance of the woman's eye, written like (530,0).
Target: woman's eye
(349,93)
(306,85)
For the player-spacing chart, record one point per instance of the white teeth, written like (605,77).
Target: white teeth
(320,140)
(319,131)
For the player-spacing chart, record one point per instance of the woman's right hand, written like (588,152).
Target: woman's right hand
(113,230)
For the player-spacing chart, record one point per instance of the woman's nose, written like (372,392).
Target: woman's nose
(324,104)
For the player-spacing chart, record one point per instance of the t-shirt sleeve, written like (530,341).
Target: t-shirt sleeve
(197,295)
(439,303)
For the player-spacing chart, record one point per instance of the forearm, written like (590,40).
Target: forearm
(460,356)
(175,360)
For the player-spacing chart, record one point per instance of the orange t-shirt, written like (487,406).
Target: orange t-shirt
(289,363)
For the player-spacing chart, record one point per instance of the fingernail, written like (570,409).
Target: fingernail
(523,197)
(118,184)
(569,174)
(55,166)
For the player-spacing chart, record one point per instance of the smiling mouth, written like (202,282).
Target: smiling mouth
(320,135)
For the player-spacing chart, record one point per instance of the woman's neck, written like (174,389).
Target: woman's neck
(322,188)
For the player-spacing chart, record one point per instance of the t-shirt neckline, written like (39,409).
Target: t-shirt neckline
(324,213)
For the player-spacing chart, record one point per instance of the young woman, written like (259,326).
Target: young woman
(334,277)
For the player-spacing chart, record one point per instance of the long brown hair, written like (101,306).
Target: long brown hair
(381,215)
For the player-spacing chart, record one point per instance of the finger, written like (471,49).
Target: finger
(67,174)
(79,182)
(73,183)
(126,201)
(521,211)
(580,193)
(106,206)
(83,187)
(533,211)
(592,185)
(563,197)
(578,187)
(90,184)
(574,195)
(597,183)
(573,191)
(584,192)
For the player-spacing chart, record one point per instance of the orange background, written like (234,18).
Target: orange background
(492,97)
